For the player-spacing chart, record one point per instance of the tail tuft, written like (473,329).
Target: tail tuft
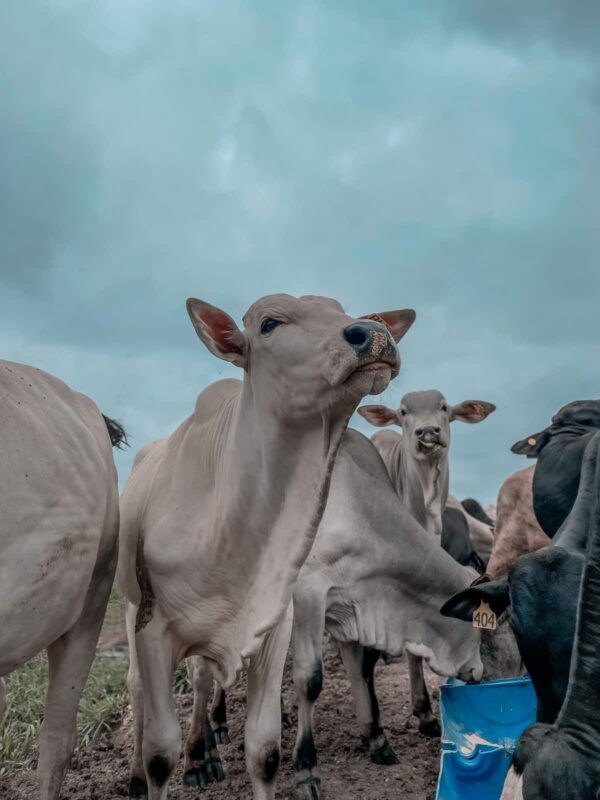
(118,437)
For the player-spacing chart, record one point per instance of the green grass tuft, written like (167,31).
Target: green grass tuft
(101,707)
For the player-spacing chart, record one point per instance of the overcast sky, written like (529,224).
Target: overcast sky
(442,155)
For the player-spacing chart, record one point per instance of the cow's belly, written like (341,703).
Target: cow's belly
(45,573)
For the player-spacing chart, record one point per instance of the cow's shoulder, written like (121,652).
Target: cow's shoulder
(215,399)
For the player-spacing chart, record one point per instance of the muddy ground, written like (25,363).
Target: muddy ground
(100,771)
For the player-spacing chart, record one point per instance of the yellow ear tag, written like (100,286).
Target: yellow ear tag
(484,618)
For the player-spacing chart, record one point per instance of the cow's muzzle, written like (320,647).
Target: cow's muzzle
(429,439)
(373,344)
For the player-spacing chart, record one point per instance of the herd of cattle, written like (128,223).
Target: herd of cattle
(263,519)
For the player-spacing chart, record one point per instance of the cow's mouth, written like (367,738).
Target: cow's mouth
(430,447)
(374,366)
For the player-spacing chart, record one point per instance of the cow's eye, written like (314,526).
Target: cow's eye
(403,412)
(268,324)
(444,407)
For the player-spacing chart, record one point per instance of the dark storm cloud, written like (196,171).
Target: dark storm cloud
(573,26)
(442,156)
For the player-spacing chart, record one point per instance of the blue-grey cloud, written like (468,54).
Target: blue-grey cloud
(442,156)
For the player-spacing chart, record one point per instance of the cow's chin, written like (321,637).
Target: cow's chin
(371,378)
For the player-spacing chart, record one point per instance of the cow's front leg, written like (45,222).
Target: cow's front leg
(202,761)
(360,668)
(263,715)
(157,655)
(428,724)
(307,645)
(218,716)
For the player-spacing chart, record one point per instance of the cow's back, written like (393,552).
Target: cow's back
(57,486)
(517,530)
(172,481)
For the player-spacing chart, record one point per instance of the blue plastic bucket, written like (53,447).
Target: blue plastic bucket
(481,724)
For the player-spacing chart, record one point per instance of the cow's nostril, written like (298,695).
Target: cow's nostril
(419,431)
(436,429)
(356,335)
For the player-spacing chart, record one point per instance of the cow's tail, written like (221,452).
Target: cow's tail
(118,437)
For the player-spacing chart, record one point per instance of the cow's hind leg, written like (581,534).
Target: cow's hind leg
(138,787)
(360,668)
(2,698)
(428,724)
(263,716)
(307,639)
(69,662)
(202,761)
(218,716)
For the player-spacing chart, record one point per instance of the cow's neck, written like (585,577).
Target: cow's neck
(386,587)
(579,715)
(423,485)
(273,482)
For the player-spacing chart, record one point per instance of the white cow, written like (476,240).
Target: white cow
(417,462)
(374,579)
(218,519)
(58,544)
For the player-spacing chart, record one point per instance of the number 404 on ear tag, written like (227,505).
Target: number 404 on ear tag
(484,618)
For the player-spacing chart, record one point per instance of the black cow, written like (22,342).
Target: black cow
(456,539)
(559,449)
(475,509)
(563,760)
(541,593)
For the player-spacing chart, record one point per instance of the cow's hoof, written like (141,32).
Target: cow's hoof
(384,755)
(309,789)
(430,728)
(191,779)
(222,734)
(287,720)
(214,769)
(138,787)
(209,771)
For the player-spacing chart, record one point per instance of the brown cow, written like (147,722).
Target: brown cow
(517,530)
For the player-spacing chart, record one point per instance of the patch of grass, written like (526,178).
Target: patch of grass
(100,708)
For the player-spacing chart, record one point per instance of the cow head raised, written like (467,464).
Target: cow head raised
(304,356)
(425,419)
(576,418)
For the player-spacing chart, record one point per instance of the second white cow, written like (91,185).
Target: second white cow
(218,519)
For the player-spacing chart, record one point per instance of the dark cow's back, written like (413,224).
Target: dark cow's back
(475,509)
(456,540)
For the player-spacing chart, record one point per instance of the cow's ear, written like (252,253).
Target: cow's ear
(471,411)
(532,445)
(464,604)
(218,332)
(380,416)
(397,322)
